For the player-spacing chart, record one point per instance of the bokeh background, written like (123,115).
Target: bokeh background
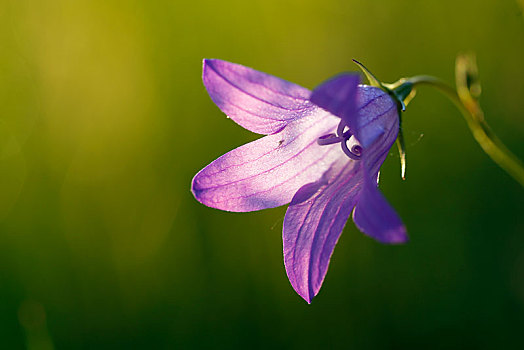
(104,121)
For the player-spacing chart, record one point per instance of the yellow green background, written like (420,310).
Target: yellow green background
(104,121)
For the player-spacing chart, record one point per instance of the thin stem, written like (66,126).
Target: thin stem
(474,116)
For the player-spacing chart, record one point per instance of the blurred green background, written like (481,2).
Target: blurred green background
(104,121)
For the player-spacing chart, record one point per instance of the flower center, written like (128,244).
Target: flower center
(342,136)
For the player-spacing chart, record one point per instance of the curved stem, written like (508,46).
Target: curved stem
(474,116)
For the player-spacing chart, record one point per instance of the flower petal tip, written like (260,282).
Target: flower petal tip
(303,287)
(206,62)
(395,236)
(214,63)
(196,190)
(306,295)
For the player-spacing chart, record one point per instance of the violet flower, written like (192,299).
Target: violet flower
(322,155)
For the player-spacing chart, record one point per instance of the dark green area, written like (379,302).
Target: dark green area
(104,121)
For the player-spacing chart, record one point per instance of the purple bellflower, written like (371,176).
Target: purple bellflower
(322,155)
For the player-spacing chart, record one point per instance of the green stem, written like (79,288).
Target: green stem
(474,116)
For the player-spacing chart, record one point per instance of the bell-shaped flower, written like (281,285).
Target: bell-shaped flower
(321,154)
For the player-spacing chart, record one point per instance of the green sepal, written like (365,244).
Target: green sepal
(373,81)
(402,153)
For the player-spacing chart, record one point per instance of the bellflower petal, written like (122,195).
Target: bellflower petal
(377,114)
(313,223)
(267,172)
(339,97)
(374,216)
(259,102)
